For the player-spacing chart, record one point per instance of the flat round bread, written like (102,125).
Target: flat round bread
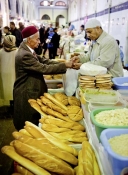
(103,81)
(87,82)
(104,84)
(104,75)
(75,113)
(87,78)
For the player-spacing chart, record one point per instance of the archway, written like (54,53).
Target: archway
(45,17)
(60,20)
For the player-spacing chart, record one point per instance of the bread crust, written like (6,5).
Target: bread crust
(52,139)
(75,113)
(31,166)
(46,146)
(55,101)
(62,98)
(51,105)
(73,101)
(42,159)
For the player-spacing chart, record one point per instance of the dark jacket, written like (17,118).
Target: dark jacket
(55,40)
(18,36)
(30,83)
(41,31)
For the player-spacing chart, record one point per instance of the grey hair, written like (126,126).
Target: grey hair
(25,39)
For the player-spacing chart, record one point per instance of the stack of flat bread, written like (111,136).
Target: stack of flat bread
(100,81)
(87,82)
(104,81)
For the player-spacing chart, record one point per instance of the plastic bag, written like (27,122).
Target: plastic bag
(70,82)
(92,70)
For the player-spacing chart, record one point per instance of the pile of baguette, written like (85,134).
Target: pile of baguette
(99,81)
(87,163)
(60,117)
(38,153)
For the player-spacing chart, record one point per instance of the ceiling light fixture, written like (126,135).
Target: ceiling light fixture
(45,3)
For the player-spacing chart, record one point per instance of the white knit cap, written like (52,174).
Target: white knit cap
(92,23)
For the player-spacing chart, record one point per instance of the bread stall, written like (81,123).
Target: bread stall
(60,146)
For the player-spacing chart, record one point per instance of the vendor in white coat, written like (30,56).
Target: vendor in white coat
(103,51)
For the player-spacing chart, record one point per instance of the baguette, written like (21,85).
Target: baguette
(53,128)
(46,146)
(62,98)
(31,166)
(70,138)
(60,123)
(95,166)
(51,105)
(80,170)
(35,134)
(23,170)
(55,101)
(31,100)
(24,131)
(37,108)
(87,155)
(49,111)
(44,160)
(68,134)
(17,135)
(52,139)
(39,102)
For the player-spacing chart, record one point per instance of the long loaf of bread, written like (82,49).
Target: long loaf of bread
(39,102)
(87,155)
(80,170)
(37,108)
(49,111)
(51,105)
(61,123)
(31,166)
(71,138)
(24,131)
(45,145)
(96,169)
(62,98)
(55,101)
(52,139)
(53,128)
(43,159)
(22,170)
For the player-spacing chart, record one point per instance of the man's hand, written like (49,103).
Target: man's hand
(75,59)
(76,66)
(69,64)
